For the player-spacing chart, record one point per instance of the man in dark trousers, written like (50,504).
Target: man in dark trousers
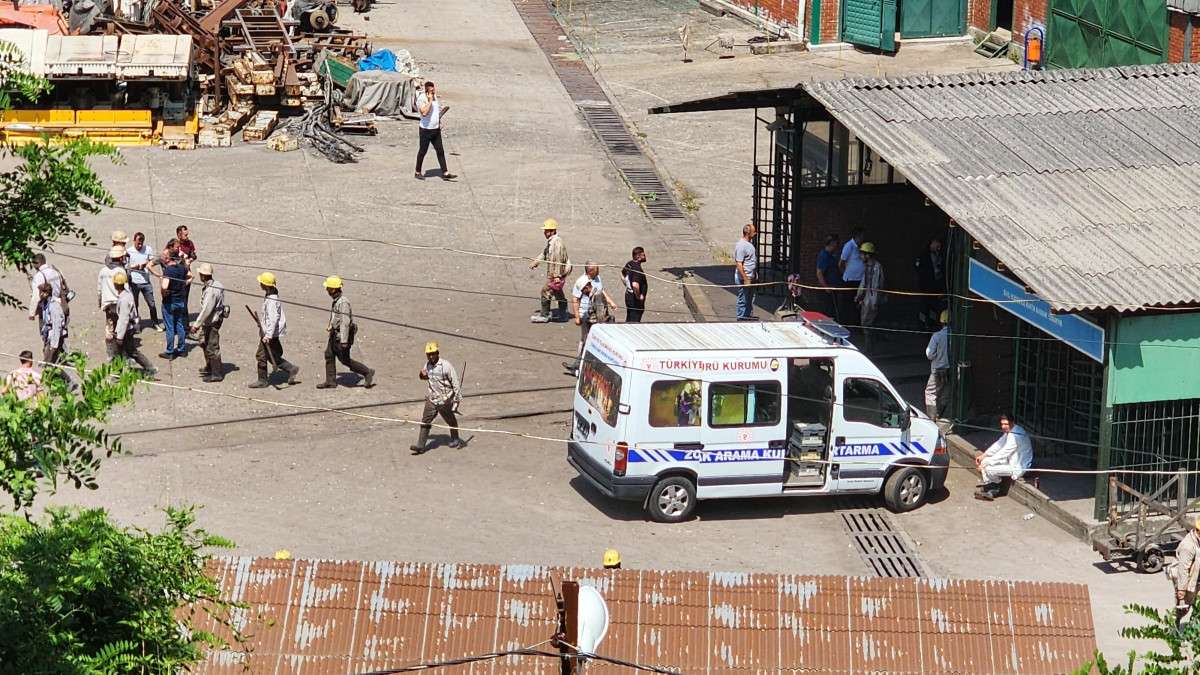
(272,324)
(636,286)
(125,330)
(341,338)
(431,109)
(208,323)
(443,397)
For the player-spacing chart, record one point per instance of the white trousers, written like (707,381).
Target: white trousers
(993,473)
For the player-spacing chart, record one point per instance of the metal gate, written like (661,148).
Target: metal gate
(932,18)
(870,23)
(1100,33)
(1057,394)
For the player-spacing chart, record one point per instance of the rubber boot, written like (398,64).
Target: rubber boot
(543,316)
(330,376)
(292,371)
(561,315)
(422,438)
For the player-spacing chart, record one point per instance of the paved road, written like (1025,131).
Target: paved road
(323,485)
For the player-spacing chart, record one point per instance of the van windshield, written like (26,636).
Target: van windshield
(600,386)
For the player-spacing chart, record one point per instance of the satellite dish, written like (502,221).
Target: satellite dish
(593,619)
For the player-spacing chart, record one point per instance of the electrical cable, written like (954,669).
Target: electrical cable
(605,444)
(520,652)
(502,256)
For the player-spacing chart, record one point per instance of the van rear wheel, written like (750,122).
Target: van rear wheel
(906,489)
(672,500)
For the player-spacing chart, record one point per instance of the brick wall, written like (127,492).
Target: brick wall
(830,18)
(782,12)
(1027,14)
(979,15)
(1176,36)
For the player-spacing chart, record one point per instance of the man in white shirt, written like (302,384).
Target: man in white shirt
(141,261)
(1009,457)
(938,353)
(851,262)
(591,304)
(431,108)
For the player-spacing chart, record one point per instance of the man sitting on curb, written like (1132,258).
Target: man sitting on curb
(1009,457)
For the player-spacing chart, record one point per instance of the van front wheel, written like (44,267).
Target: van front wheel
(906,489)
(672,500)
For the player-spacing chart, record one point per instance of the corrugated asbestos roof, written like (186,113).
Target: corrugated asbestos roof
(1085,183)
(311,616)
(1189,6)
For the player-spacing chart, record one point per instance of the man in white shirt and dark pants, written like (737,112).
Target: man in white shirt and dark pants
(1009,457)
(431,109)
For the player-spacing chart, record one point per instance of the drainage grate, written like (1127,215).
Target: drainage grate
(657,200)
(880,545)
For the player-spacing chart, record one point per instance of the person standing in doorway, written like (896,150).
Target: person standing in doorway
(829,275)
(140,266)
(207,325)
(938,353)
(636,286)
(558,267)
(342,330)
(745,260)
(442,398)
(272,325)
(430,105)
(931,281)
(869,295)
(850,264)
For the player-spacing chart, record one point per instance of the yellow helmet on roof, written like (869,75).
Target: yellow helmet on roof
(612,558)
(333,282)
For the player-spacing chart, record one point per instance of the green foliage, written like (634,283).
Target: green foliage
(60,433)
(81,596)
(1181,646)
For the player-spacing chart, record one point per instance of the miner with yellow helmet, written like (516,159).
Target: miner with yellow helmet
(207,326)
(342,330)
(272,325)
(107,295)
(558,268)
(938,352)
(870,293)
(125,330)
(442,398)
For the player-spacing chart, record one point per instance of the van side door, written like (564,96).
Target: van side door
(669,417)
(869,433)
(744,439)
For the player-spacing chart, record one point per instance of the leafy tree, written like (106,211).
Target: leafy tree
(1181,646)
(60,431)
(81,596)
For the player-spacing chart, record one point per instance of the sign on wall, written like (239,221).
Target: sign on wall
(1079,333)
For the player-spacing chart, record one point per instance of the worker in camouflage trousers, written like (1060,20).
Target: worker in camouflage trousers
(207,325)
(445,393)
(342,330)
(272,325)
(558,268)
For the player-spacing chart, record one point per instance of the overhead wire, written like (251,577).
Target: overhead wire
(666,280)
(605,444)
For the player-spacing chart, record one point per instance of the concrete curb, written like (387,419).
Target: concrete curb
(697,302)
(963,453)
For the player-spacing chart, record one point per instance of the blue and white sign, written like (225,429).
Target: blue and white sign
(1010,296)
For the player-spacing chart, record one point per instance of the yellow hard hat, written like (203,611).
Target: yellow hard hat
(333,282)
(119,278)
(431,347)
(283,554)
(1198,524)
(612,558)
(204,269)
(944,317)
(266,278)
(550,224)
(120,236)
(867,248)
(117,251)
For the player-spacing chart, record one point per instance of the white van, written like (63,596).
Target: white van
(666,414)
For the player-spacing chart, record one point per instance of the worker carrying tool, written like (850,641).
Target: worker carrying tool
(443,397)
(272,325)
(938,353)
(1184,573)
(558,268)
(1009,457)
(342,331)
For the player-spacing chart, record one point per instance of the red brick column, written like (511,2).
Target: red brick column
(1027,14)
(979,15)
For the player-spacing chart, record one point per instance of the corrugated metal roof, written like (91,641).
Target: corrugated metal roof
(1085,183)
(319,616)
(1189,6)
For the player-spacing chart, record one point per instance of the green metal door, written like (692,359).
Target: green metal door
(932,18)
(1100,33)
(870,23)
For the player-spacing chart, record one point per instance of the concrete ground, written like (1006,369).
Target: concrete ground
(325,485)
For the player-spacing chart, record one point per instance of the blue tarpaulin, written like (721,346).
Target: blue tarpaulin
(383,59)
